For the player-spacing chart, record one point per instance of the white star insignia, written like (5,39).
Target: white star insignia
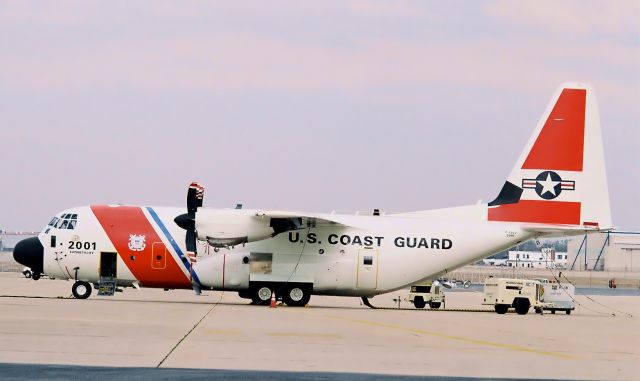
(548,185)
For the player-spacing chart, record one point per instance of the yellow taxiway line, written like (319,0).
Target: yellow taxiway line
(458,338)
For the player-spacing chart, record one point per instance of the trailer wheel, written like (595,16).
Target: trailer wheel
(553,312)
(568,312)
(521,306)
(434,305)
(81,290)
(418,302)
(501,308)
(35,276)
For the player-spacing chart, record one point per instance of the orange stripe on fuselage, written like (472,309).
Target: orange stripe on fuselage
(546,212)
(119,223)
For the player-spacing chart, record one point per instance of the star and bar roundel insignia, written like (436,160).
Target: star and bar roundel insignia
(548,185)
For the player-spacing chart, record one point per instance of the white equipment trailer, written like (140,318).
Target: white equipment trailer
(559,297)
(427,293)
(521,294)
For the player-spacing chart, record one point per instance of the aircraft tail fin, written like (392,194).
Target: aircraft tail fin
(560,176)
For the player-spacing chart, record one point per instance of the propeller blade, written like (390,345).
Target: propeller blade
(187,221)
(190,240)
(195,196)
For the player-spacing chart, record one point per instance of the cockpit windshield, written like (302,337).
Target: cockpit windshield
(66,221)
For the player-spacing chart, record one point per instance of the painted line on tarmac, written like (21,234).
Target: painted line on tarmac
(457,338)
(310,335)
(224,332)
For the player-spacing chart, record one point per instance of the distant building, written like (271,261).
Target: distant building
(614,251)
(547,258)
(9,239)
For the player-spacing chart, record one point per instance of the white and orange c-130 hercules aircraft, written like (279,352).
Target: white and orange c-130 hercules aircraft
(557,187)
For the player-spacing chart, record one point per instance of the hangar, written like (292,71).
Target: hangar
(612,251)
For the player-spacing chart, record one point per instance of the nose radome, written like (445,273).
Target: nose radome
(29,252)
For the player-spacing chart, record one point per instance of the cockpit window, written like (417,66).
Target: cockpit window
(66,221)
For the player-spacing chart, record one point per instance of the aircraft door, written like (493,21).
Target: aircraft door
(367,277)
(108,265)
(159,256)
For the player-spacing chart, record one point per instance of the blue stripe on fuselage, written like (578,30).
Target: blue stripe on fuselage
(173,242)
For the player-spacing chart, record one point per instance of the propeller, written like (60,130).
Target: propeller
(187,221)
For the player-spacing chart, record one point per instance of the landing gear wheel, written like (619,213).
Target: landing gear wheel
(296,297)
(501,308)
(418,302)
(81,290)
(261,295)
(35,276)
(434,305)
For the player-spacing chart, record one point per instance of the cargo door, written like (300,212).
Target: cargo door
(367,277)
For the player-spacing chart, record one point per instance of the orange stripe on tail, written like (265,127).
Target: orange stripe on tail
(546,212)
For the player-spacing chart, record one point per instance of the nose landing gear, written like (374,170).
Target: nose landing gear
(81,289)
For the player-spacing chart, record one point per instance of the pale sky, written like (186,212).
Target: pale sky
(315,106)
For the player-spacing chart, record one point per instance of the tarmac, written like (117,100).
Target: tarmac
(152,333)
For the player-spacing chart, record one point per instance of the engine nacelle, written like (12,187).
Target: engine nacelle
(229,227)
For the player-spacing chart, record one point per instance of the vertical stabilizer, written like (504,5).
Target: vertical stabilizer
(560,176)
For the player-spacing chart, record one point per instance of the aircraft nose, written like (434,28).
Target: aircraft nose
(29,252)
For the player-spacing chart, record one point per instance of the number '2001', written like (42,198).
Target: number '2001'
(79,245)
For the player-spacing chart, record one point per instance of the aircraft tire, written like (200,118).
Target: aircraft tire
(296,296)
(434,305)
(81,290)
(501,308)
(418,302)
(261,295)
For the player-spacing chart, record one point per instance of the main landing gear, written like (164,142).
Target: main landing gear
(293,295)
(81,289)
